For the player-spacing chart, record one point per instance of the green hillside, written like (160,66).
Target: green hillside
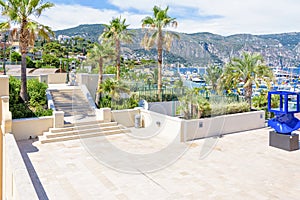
(207,48)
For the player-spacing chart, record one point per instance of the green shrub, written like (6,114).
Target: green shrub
(37,104)
(49,59)
(229,108)
(15,56)
(20,110)
(40,111)
(260,102)
(29,62)
(36,93)
(105,102)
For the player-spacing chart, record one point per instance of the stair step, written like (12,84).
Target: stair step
(80,126)
(81,132)
(70,106)
(44,140)
(68,99)
(80,123)
(65,90)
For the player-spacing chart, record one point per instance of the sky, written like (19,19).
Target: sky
(224,17)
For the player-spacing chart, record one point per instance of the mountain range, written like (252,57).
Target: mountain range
(202,49)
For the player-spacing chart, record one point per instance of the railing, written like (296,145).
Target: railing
(11,63)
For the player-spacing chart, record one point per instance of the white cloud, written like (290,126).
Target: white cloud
(67,16)
(235,16)
(255,16)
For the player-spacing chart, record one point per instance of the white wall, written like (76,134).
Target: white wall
(165,126)
(17,185)
(220,125)
(191,129)
(58,78)
(166,108)
(124,117)
(91,81)
(22,129)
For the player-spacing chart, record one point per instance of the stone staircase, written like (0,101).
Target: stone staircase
(81,118)
(80,130)
(71,101)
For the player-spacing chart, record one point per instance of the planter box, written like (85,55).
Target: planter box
(221,125)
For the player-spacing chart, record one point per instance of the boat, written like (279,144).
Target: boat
(198,80)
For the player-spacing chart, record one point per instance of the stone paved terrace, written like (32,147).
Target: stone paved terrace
(240,166)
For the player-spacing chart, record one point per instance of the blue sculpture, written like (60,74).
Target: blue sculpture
(289,104)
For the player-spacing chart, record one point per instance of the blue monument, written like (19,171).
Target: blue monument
(284,122)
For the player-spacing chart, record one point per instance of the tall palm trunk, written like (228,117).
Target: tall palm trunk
(248,94)
(118,61)
(159,59)
(100,80)
(24,41)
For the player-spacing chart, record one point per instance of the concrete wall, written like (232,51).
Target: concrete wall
(57,78)
(167,108)
(4,91)
(22,129)
(15,180)
(226,124)
(18,185)
(191,129)
(162,125)
(88,96)
(124,117)
(91,81)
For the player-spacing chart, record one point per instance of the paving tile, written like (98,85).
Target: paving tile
(236,166)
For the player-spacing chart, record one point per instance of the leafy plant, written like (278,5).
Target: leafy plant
(36,105)
(37,93)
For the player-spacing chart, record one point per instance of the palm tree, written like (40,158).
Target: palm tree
(114,88)
(100,52)
(213,73)
(157,37)
(248,69)
(117,32)
(19,13)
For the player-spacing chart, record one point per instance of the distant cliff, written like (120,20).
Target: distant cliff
(207,48)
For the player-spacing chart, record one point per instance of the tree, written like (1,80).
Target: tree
(19,13)
(100,52)
(213,73)
(54,48)
(249,69)
(157,37)
(114,88)
(117,32)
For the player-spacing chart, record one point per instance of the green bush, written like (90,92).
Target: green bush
(37,104)
(106,101)
(52,60)
(29,62)
(41,111)
(260,102)
(36,93)
(230,108)
(15,56)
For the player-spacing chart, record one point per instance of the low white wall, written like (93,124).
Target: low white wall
(166,108)
(166,126)
(57,78)
(124,117)
(220,125)
(88,96)
(24,128)
(191,129)
(91,81)
(18,185)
